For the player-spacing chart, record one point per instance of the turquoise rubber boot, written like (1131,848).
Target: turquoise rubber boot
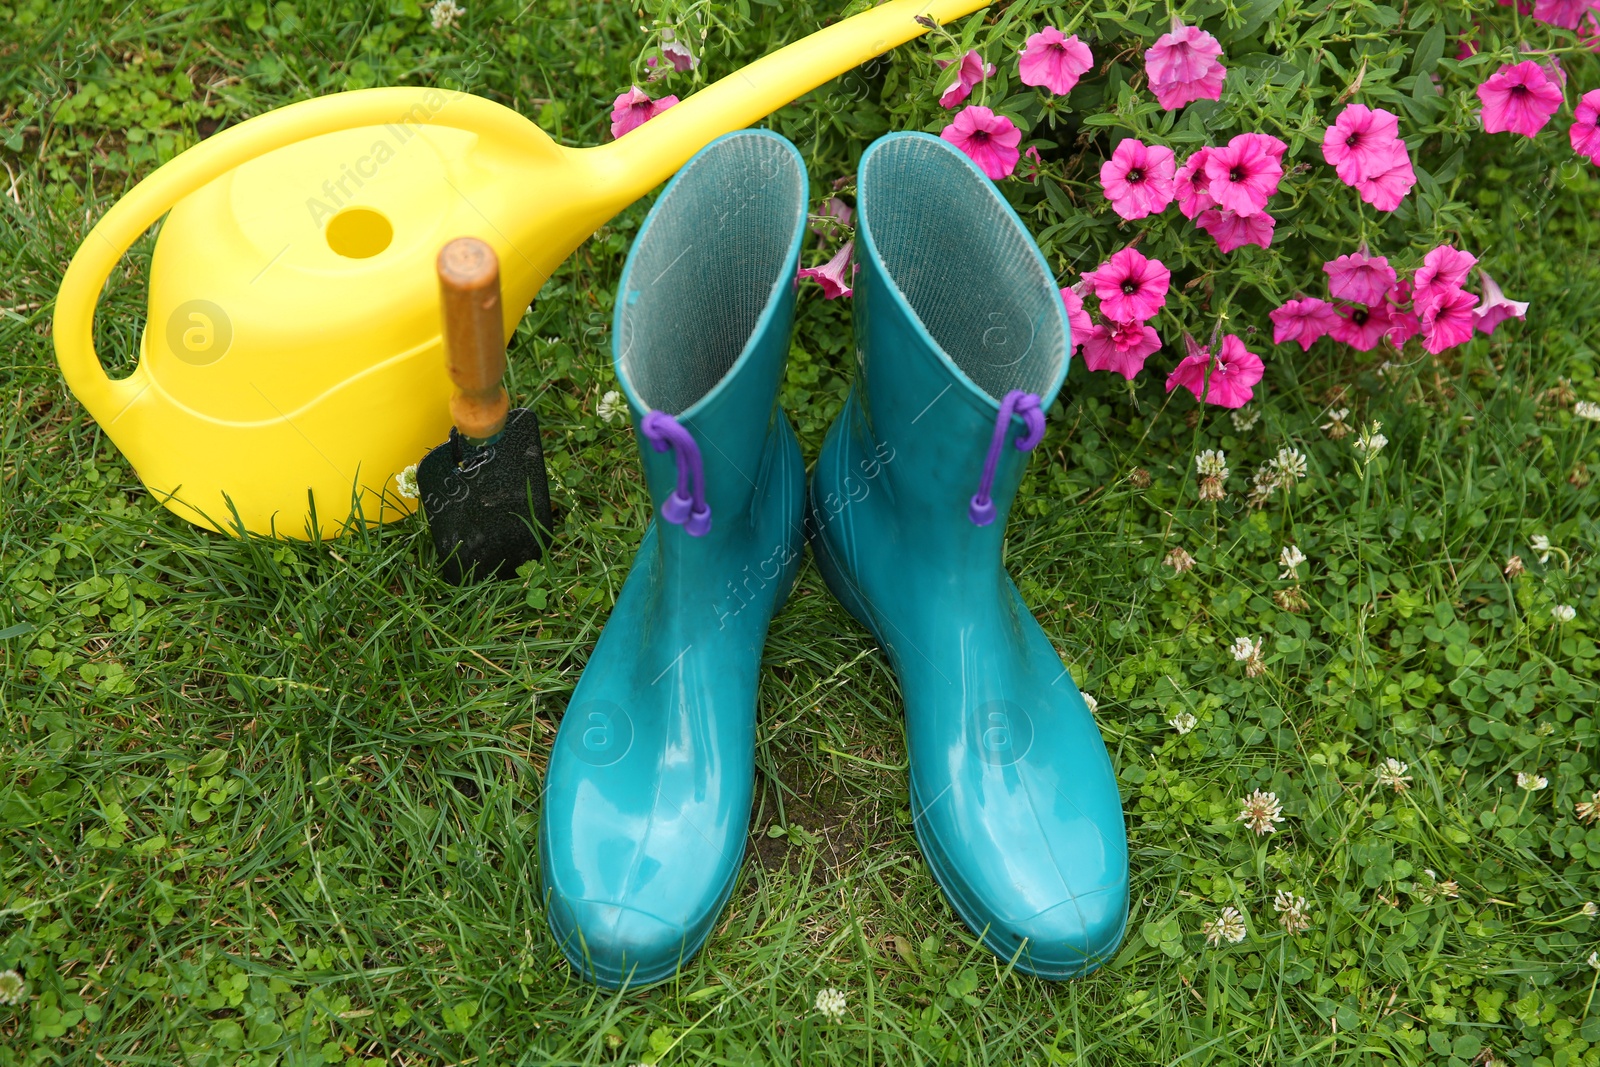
(647,797)
(962,344)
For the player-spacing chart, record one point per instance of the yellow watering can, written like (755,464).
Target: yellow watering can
(291,365)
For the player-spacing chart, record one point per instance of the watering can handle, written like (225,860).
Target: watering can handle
(73,327)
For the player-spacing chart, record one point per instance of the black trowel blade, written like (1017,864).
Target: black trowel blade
(488,508)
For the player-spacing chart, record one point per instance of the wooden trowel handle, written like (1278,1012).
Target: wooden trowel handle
(474,337)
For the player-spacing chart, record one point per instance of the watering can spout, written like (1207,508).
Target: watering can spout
(643,158)
(291,365)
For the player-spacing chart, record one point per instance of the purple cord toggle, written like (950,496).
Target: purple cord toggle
(982,510)
(680,508)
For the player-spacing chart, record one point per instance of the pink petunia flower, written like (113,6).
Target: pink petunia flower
(1585,132)
(1443,270)
(1233,230)
(1360,142)
(1192,186)
(969,72)
(832,275)
(1303,320)
(1589,32)
(1121,347)
(1131,288)
(1035,164)
(1403,326)
(1054,61)
(1360,278)
(634,108)
(1564,13)
(1137,179)
(832,220)
(1227,380)
(1495,308)
(1447,321)
(1362,326)
(1552,68)
(1389,185)
(990,140)
(1403,321)
(679,56)
(1519,98)
(1077,317)
(1245,174)
(1184,66)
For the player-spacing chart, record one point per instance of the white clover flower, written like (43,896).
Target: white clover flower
(1590,909)
(405,483)
(831,1003)
(1540,544)
(1392,773)
(446,13)
(1227,926)
(1290,465)
(1212,489)
(1371,442)
(12,988)
(1093,704)
(1179,560)
(1336,427)
(1259,811)
(1386,368)
(1594,960)
(1563,613)
(1212,463)
(1290,558)
(1249,653)
(1243,420)
(1436,889)
(1588,810)
(1183,722)
(1587,409)
(610,406)
(1532,782)
(1264,483)
(1292,912)
(1290,599)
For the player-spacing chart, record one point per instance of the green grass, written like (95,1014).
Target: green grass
(268,802)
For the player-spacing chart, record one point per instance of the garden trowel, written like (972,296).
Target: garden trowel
(484,490)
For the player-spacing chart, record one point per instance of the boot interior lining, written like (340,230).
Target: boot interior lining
(964,264)
(707,266)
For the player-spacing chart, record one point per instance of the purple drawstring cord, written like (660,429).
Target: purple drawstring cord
(681,508)
(981,510)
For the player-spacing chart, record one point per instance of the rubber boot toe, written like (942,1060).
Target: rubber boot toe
(614,943)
